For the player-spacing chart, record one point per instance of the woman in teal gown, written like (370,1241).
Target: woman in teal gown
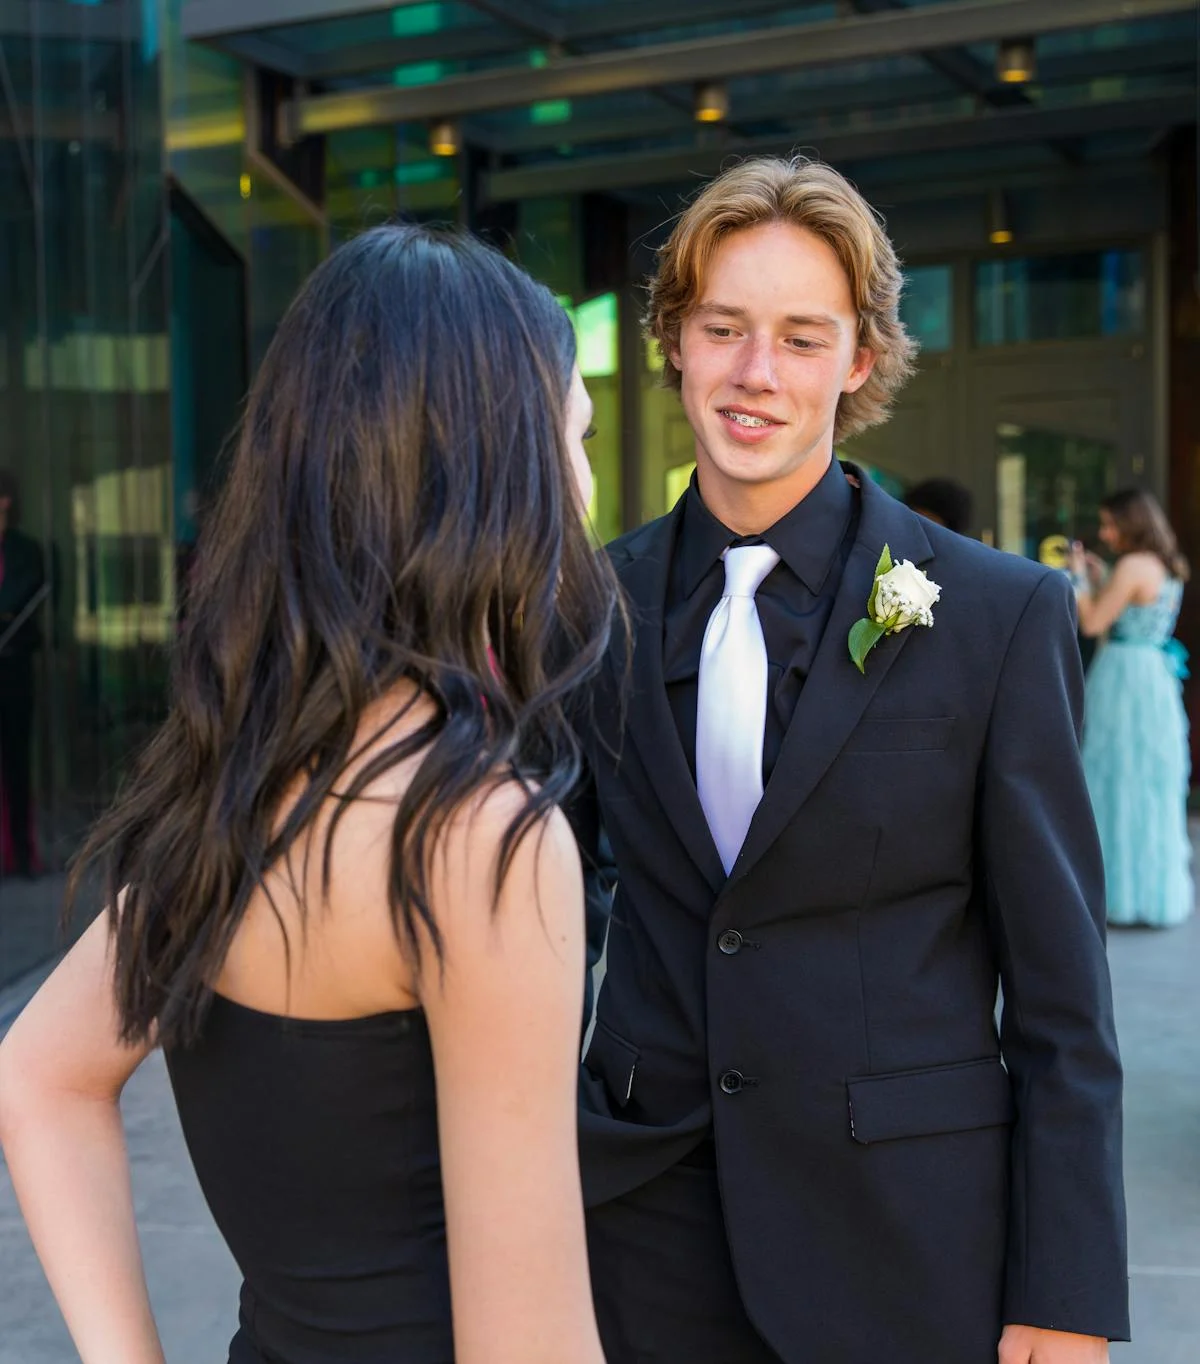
(1135,744)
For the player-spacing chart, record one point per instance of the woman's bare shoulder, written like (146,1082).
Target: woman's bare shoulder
(1143,572)
(1142,561)
(502,821)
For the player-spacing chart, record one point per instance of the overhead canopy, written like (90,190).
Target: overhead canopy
(569,96)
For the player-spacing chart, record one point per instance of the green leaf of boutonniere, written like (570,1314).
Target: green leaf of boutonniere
(884,565)
(864,635)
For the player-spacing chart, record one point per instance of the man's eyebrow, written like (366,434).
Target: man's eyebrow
(713,309)
(720,309)
(814,320)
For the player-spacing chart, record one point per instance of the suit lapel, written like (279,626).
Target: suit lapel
(650,719)
(835,693)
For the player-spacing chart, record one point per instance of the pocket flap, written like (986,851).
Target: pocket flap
(900,736)
(919,1103)
(611,1059)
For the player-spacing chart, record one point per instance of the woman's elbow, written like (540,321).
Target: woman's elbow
(30,1092)
(13,1091)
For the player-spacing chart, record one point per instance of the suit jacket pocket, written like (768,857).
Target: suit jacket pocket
(900,736)
(920,1103)
(611,1059)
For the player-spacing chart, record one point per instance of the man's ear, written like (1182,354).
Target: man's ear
(860,371)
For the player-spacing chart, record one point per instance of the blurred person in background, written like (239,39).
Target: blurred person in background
(22,578)
(942,501)
(1135,746)
(341,895)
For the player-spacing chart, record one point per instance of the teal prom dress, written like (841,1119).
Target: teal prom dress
(1135,757)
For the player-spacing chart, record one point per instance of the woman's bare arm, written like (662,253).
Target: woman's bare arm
(1137,578)
(62,1069)
(504,1021)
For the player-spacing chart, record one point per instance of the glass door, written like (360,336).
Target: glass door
(1057,434)
(1049,486)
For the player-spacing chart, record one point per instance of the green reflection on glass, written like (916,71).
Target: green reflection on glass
(420,73)
(595,324)
(412,20)
(596,336)
(550,111)
(418,172)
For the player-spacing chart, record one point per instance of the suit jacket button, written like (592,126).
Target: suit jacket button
(731,1082)
(730,942)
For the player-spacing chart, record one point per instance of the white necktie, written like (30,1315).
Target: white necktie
(731,703)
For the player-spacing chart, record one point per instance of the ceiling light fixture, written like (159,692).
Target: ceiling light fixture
(1000,231)
(711,102)
(444,139)
(1016,61)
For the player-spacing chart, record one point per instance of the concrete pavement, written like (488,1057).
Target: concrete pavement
(193,1281)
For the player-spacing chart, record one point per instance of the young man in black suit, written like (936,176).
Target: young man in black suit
(844,803)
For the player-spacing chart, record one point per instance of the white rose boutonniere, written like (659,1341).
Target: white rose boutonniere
(902,596)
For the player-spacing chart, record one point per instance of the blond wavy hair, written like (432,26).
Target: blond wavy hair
(809,195)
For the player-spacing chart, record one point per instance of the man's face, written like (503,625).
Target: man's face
(770,347)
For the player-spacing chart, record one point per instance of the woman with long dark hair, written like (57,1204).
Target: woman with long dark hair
(1135,746)
(342,897)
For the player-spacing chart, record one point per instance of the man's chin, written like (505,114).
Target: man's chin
(760,464)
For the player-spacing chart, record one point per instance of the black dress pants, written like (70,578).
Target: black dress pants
(16,746)
(662,1277)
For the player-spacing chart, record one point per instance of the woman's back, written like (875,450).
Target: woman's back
(316,1146)
(308,1102)
(1151,622)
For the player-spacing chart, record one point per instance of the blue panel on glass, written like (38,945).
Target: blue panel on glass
(149,30)
(1064,297)
(927,308)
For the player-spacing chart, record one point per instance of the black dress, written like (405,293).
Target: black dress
(315,1143)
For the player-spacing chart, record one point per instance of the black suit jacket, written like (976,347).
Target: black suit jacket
(898,1179)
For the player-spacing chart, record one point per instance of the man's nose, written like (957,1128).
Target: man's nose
(757,370)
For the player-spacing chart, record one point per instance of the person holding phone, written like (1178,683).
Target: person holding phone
(1135,747)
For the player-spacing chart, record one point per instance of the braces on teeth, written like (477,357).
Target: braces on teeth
(743,419)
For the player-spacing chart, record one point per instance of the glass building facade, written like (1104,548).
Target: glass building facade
(153,229)
(85,436)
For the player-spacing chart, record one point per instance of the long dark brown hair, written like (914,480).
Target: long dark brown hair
(1143,526)
(400,495)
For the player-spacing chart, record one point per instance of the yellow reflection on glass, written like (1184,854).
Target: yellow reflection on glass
(125,558)
(677,482)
